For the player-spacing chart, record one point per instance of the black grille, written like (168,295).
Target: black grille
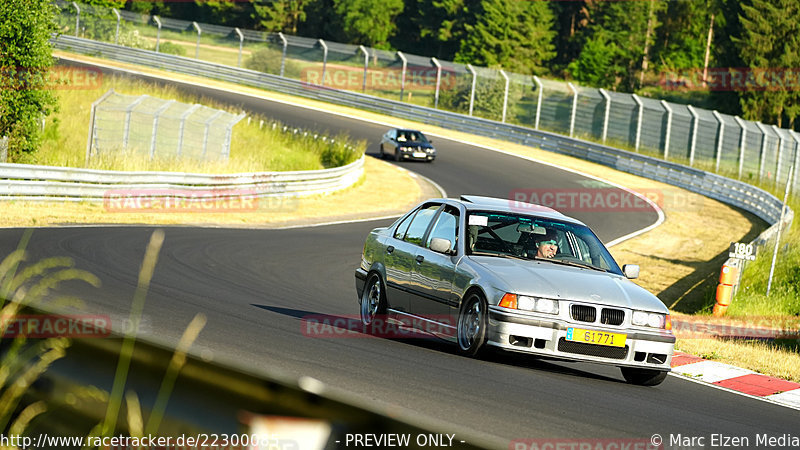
(601,351)
(612,316)
(583,313)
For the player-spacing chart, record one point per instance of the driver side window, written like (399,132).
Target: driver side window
(446,227)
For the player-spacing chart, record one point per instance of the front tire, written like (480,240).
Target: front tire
(397,154)
(383,155)
(373,301)
(643,377)
(472,323)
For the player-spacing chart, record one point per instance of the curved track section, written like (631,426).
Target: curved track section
(255,286)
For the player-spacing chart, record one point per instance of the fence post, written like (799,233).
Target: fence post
(241,44)
(742,143)
(607,98)
(472,89)
(3,149)
(403,74)
(182,126)
(574,109)
(197,46)
(157,113)
(639,116)
(77,17)
(505,95)
(538,100)
(780,227)
(438,82)
(226,150)
(695,124)
(126,127)
(366,66)
(205,131)
(763,155)
(116,33)
(324,60)
(285,44)
(90,139)
(158,33)
(669,129)
(719,142)
(780,154)
(796,158)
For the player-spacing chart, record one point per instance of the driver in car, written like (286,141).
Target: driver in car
(546,244)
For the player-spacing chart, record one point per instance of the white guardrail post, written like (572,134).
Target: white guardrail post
(574,109)
(669,129)
(241,45)
(119,18)
(77,18)
(324,61)
(607,112)
(197,46)
(742,143)
(154,137)
(796,158)
(90,139)
(158,33)
(780,154)
(403,73)
(639,117)
(763,150)
(538,101)
(438,82)
(505,95)
(182,126)
(363,50)
(695,124)
(472,87)
(719,140)
(285,44)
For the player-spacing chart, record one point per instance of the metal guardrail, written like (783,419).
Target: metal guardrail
(28,182)
(737,193)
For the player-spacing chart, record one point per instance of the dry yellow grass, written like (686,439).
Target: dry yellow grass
(754,355)
(679,259)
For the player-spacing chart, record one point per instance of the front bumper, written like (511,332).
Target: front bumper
(421,155)
(518,332)
(361,280)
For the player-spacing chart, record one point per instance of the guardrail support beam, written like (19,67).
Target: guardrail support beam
(438,82)
(197,46)
(720,139)
(574,109)
(403,73)
(669,129)
(505,95)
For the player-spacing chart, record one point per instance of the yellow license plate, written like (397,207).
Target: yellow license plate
(596,337)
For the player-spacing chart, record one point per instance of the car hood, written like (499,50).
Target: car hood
(546,279)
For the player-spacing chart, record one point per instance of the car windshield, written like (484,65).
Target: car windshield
(520,236)
(411,136)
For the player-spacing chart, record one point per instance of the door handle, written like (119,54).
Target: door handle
(420,258)
(389,249)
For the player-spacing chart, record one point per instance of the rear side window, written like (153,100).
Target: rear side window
(420,224)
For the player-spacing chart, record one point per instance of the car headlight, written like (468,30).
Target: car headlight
(653,320)
(526,303)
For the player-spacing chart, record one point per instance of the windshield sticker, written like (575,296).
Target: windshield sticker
(478,220)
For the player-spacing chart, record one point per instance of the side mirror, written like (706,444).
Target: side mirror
(440,245)
(631,271)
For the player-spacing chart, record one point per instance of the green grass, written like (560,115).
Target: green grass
(254,148)
(784,298)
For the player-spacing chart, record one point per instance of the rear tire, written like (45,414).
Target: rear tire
(643,377)
(383,155)
(397,154)
(472,322)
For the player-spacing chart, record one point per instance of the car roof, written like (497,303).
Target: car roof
(480,203)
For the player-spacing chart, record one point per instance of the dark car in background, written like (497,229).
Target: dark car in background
(407,144)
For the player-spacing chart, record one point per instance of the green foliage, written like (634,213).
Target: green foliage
(279,15)
(268,60)
(368,22)
(511,34)
(25,61)
(598,64)
(172,48)
(488,97)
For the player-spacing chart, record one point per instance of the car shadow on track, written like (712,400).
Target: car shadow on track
(335,324)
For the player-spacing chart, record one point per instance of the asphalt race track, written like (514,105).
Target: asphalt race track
(256,285)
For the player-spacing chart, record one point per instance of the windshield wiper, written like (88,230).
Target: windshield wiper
(572,263)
